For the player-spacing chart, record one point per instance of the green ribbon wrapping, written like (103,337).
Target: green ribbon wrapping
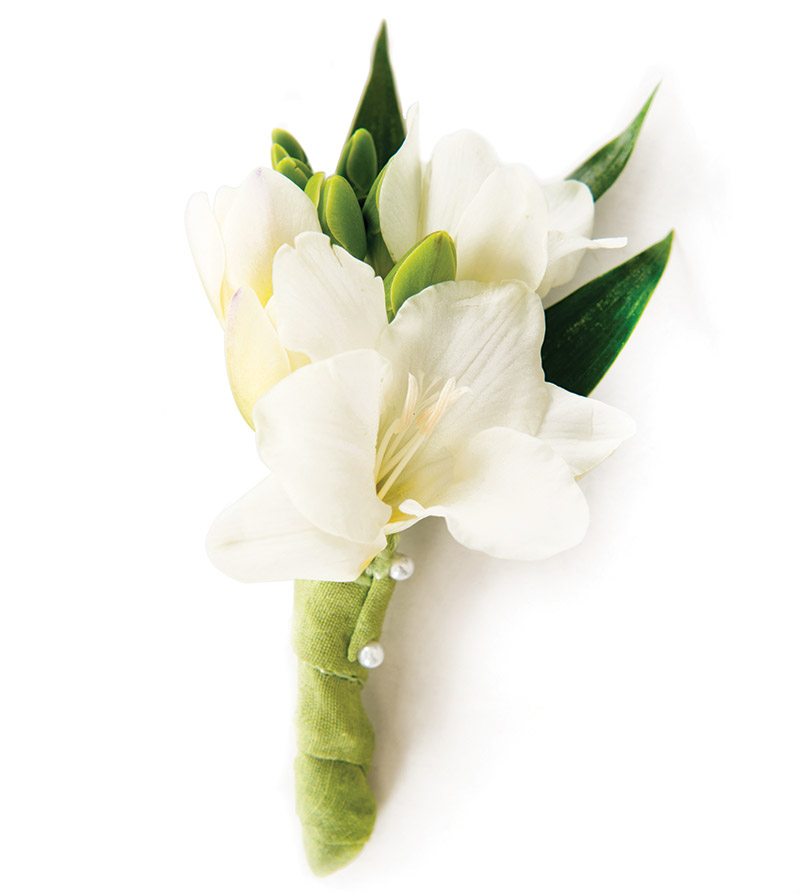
(332,622)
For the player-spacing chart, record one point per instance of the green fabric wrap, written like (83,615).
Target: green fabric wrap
(332,621)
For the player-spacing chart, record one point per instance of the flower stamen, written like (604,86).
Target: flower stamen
(422,408)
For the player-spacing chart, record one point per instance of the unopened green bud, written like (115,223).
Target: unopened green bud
(359,162)
(295,170)
(377,252)
(431,261)
(289,144)
(277,155)
(340,216)
(371,214)
(314,187)
(378,256)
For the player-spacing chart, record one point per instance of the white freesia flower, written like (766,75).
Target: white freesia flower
(505,225)
(234,248)
(445,412)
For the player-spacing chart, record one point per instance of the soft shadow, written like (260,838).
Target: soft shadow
(666,184)
(406,697)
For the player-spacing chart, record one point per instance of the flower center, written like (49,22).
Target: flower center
(422,410)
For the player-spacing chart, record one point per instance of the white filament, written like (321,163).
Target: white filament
(422,411)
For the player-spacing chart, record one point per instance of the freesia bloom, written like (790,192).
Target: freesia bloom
(234,248)
(234,245)
(444,412)
(505,225)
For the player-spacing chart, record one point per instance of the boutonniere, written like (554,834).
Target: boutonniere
(385,337)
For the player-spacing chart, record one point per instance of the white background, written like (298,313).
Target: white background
(622,718)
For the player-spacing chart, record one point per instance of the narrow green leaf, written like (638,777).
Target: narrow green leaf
(603,168)
(379,110)
(586,330)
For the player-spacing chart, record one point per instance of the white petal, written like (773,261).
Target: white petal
(265,212)
(317,431)
(503,232)
(562,244)
(512,498)
(263,537)
(459,165)
(224,198)
(565,252)
(488,338)
(571,218)
(399,199)
(582,431)
(325,302)
(206,246)
(570,207)
(254,356)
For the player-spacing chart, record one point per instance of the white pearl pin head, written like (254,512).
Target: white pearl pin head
(401,568)
(371,655)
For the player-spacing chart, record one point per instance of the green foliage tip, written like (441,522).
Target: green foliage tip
(379,109)
(602,169)
(586,331)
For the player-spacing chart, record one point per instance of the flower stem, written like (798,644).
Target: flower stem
(334,736)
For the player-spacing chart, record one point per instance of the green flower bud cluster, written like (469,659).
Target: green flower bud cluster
(358,163)
(338,199)
(289,158)
(347,206)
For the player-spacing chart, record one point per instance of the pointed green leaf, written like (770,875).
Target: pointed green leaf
(431,261)
(603,168)
(586,330)
(379,110)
